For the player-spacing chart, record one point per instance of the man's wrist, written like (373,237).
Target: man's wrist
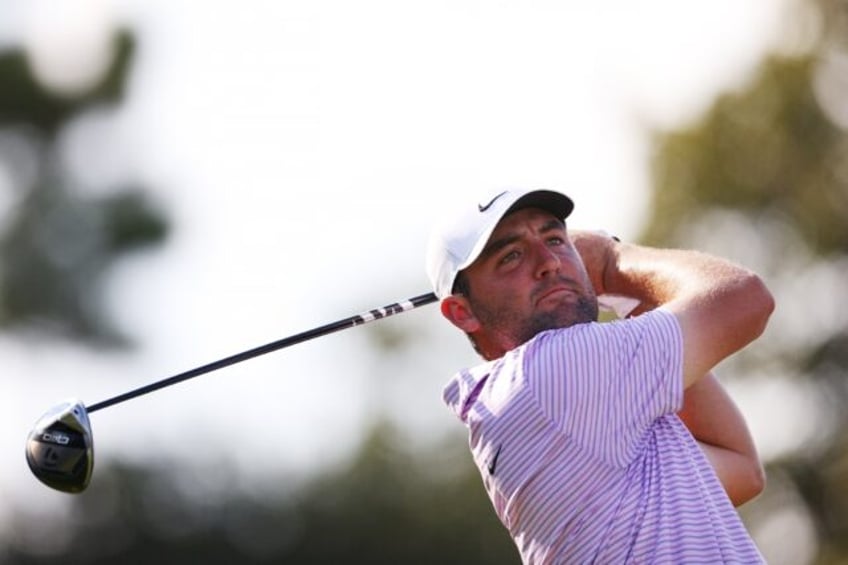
(594,247)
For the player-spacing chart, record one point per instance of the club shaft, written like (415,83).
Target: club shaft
(346,323)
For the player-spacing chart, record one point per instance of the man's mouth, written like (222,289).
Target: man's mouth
(555,292)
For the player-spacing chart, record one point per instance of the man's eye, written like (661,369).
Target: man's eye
(556,240)
(511,256)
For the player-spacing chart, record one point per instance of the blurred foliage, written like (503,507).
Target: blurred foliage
(389,506)
(767,149)
(23,100)
(770,162)
(57,243)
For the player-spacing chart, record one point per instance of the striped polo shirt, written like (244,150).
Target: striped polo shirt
(576,436)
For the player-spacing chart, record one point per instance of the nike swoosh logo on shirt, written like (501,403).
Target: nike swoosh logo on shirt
(494,462)
(492,201)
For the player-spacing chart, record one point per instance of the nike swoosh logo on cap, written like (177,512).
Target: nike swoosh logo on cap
(492,201)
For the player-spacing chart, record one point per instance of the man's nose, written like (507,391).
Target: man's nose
(547,260)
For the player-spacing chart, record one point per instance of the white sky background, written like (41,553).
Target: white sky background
(302,150)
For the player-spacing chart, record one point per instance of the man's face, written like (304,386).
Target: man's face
(529,278)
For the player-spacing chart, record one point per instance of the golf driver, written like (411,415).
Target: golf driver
(60,448)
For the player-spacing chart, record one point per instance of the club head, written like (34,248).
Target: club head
(60,450)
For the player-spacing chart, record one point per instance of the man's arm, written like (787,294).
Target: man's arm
(716,422)
(721,306)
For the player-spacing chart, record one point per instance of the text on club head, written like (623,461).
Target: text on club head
(56,437)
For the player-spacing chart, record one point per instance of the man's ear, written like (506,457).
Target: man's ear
(457,310)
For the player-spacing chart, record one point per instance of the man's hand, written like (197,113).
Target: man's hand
(596,248)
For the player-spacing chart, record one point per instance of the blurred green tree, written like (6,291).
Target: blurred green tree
(57,244)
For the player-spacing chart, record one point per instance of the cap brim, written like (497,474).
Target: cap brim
(556,203)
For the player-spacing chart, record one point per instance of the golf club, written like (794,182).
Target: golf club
(60,448)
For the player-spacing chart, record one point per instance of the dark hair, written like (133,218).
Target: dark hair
(461,285)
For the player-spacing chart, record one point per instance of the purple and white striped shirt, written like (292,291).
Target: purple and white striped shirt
(583,456)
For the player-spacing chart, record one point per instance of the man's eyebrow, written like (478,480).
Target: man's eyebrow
(496,245)
(554,224)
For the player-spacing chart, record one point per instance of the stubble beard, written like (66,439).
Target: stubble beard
(521,328)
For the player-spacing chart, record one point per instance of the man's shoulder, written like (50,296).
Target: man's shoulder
(465,384)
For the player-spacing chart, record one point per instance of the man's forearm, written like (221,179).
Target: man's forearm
(720,428)
(721,307)
(651,275)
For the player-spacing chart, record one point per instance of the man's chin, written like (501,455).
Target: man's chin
(569,313)
(552,321)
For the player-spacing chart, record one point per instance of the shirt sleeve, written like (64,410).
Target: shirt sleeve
(604,385)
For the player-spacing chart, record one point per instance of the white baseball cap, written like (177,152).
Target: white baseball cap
(456,242)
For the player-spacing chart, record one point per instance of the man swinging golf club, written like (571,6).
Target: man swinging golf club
(599,442)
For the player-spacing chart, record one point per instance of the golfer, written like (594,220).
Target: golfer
(599,442)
